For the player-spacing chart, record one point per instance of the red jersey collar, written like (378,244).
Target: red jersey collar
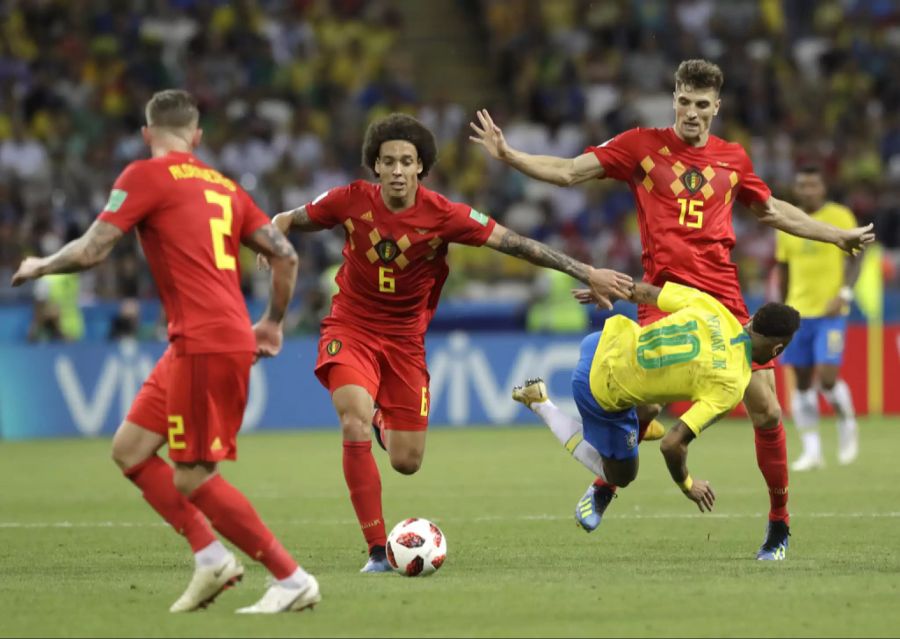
(684,146)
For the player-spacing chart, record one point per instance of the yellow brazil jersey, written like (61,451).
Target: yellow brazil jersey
(815,269)
(700,353)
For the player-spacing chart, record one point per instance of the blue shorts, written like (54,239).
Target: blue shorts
(820,340)
(613,434)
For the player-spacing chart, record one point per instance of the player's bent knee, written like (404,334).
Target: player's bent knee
(407,464)
(355,427)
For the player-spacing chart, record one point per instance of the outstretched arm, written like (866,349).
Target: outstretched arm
(787,217)
(547,168)
(674,449)
(295,219)
(604,283)
(78,255)
(642,293)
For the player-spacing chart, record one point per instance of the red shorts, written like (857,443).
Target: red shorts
(391,369)
(648,314)
(197,402)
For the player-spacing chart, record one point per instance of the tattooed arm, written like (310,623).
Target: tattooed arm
(271,243)
(295,219)
(604,283)
(78,255)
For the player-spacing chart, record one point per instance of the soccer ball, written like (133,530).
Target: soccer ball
(416,547)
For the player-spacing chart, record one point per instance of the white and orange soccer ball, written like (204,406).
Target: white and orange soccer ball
(416,547)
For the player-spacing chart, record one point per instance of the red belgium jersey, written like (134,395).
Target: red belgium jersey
(394,263)
(685,197)
(190,221)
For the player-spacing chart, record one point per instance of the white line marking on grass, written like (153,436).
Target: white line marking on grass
(486,518)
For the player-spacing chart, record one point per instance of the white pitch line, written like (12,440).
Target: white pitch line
(538,517)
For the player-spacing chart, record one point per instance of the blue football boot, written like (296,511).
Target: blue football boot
(774,548)
(590,509)
(378,561)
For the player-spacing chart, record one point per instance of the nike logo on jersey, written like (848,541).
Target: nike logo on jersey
(722,163)
(421,231)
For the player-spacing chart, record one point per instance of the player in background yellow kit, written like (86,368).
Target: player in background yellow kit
(700,352)
(817,279)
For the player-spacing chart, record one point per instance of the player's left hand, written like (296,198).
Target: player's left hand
(607,285)
(29,269)
(855,240)
(269,337)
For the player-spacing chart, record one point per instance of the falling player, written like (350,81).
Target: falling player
(685,182)
(191,221)
(818,280)
(372,345)
(700,352)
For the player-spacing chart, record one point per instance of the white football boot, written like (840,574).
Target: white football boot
(207,583)
(807,461)
(279,598)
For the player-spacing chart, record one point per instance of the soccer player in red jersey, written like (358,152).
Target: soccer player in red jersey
(191,221)
(685,182)
(372,346)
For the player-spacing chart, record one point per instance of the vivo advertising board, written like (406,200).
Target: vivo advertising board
(86,389)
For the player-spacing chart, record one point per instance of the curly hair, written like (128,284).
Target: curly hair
(398,126)
(699,74)
(172,108)
(776,320)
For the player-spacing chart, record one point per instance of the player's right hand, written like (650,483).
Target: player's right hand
(489,135)
(269,337)
(701,493)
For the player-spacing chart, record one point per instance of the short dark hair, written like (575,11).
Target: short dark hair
(699,74)
(399,126)
(776,320)
(172,108)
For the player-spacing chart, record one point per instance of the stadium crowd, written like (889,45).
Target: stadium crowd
(287,87)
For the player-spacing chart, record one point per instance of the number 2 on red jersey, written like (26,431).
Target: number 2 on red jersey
(220,227)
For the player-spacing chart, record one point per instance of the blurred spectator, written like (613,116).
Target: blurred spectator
(296,83)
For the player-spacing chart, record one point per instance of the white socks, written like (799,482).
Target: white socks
(842,402)
(296,580)
(211,556)
(805,407)
(569,432)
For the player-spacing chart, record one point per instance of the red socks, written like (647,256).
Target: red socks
(154,477)
(364,482)
(771,456)
(235,518)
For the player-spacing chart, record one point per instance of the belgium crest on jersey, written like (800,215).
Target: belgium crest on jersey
(387,250)
(693,180)
(334,347)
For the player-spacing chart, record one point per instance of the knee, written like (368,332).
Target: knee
(770,417)
(354,426)
(184,482)
(827,383)
(124,455)
(408,464)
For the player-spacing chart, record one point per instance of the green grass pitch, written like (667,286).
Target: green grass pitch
(81,554)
